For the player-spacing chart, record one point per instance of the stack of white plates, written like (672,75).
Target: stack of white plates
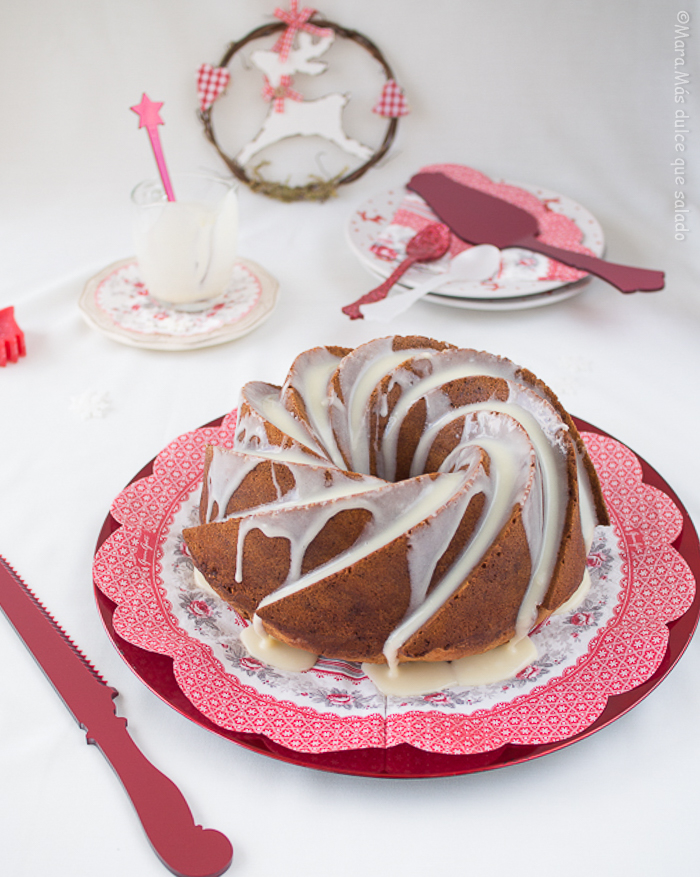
(521,281)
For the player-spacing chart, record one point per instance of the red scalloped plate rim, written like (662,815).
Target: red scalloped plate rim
(406,761)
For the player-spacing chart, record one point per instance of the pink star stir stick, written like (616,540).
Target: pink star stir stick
(149,119)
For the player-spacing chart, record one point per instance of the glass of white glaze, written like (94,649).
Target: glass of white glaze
(186,249)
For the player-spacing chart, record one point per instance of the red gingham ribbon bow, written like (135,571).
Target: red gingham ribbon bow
(211,82)
(392,102)
(295,21)
(279,93)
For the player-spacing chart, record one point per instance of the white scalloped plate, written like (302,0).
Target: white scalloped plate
(116,303)
(524,288)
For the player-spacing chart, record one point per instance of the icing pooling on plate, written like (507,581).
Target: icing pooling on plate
(422,677)
(275,653)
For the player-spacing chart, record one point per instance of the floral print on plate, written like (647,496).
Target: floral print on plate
(123,297)
(612,642)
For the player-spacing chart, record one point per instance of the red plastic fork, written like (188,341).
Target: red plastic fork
(11,337)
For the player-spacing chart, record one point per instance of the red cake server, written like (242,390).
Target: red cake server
(183,847)
(479,218)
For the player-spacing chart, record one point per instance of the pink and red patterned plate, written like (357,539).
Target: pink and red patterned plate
(117,303)
(379,229)
(593,665)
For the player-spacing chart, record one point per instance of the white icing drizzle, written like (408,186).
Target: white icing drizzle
(225,475)
(310,376)
(544,515)
(422,497)
(507,485)
(543,425)
(523,437)
(286,422)
(428,543)
(264,399)
(362,370)
(589,519)
(228,469)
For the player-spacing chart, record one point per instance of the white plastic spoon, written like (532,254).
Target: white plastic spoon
(477,263)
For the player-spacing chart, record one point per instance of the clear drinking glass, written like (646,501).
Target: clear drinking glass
(186,249)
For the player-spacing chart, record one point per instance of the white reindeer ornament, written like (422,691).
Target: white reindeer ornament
(289,114)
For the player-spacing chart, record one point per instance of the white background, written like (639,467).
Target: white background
(574,96)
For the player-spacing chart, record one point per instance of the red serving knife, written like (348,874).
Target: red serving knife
(183,847)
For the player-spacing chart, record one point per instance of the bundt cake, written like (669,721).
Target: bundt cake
(403,501)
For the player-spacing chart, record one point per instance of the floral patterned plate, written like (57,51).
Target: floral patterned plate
(379,229)
(116,303)
(594,664)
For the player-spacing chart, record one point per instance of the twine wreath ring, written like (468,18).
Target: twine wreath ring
(317,189)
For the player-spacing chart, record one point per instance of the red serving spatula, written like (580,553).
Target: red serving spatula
(184,848)
(479,218)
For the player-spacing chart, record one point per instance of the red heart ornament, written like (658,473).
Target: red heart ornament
(392,103)
(211,83)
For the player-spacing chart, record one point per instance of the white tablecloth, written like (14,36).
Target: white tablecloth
(574,96)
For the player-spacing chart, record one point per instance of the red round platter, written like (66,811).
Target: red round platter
(156,671)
